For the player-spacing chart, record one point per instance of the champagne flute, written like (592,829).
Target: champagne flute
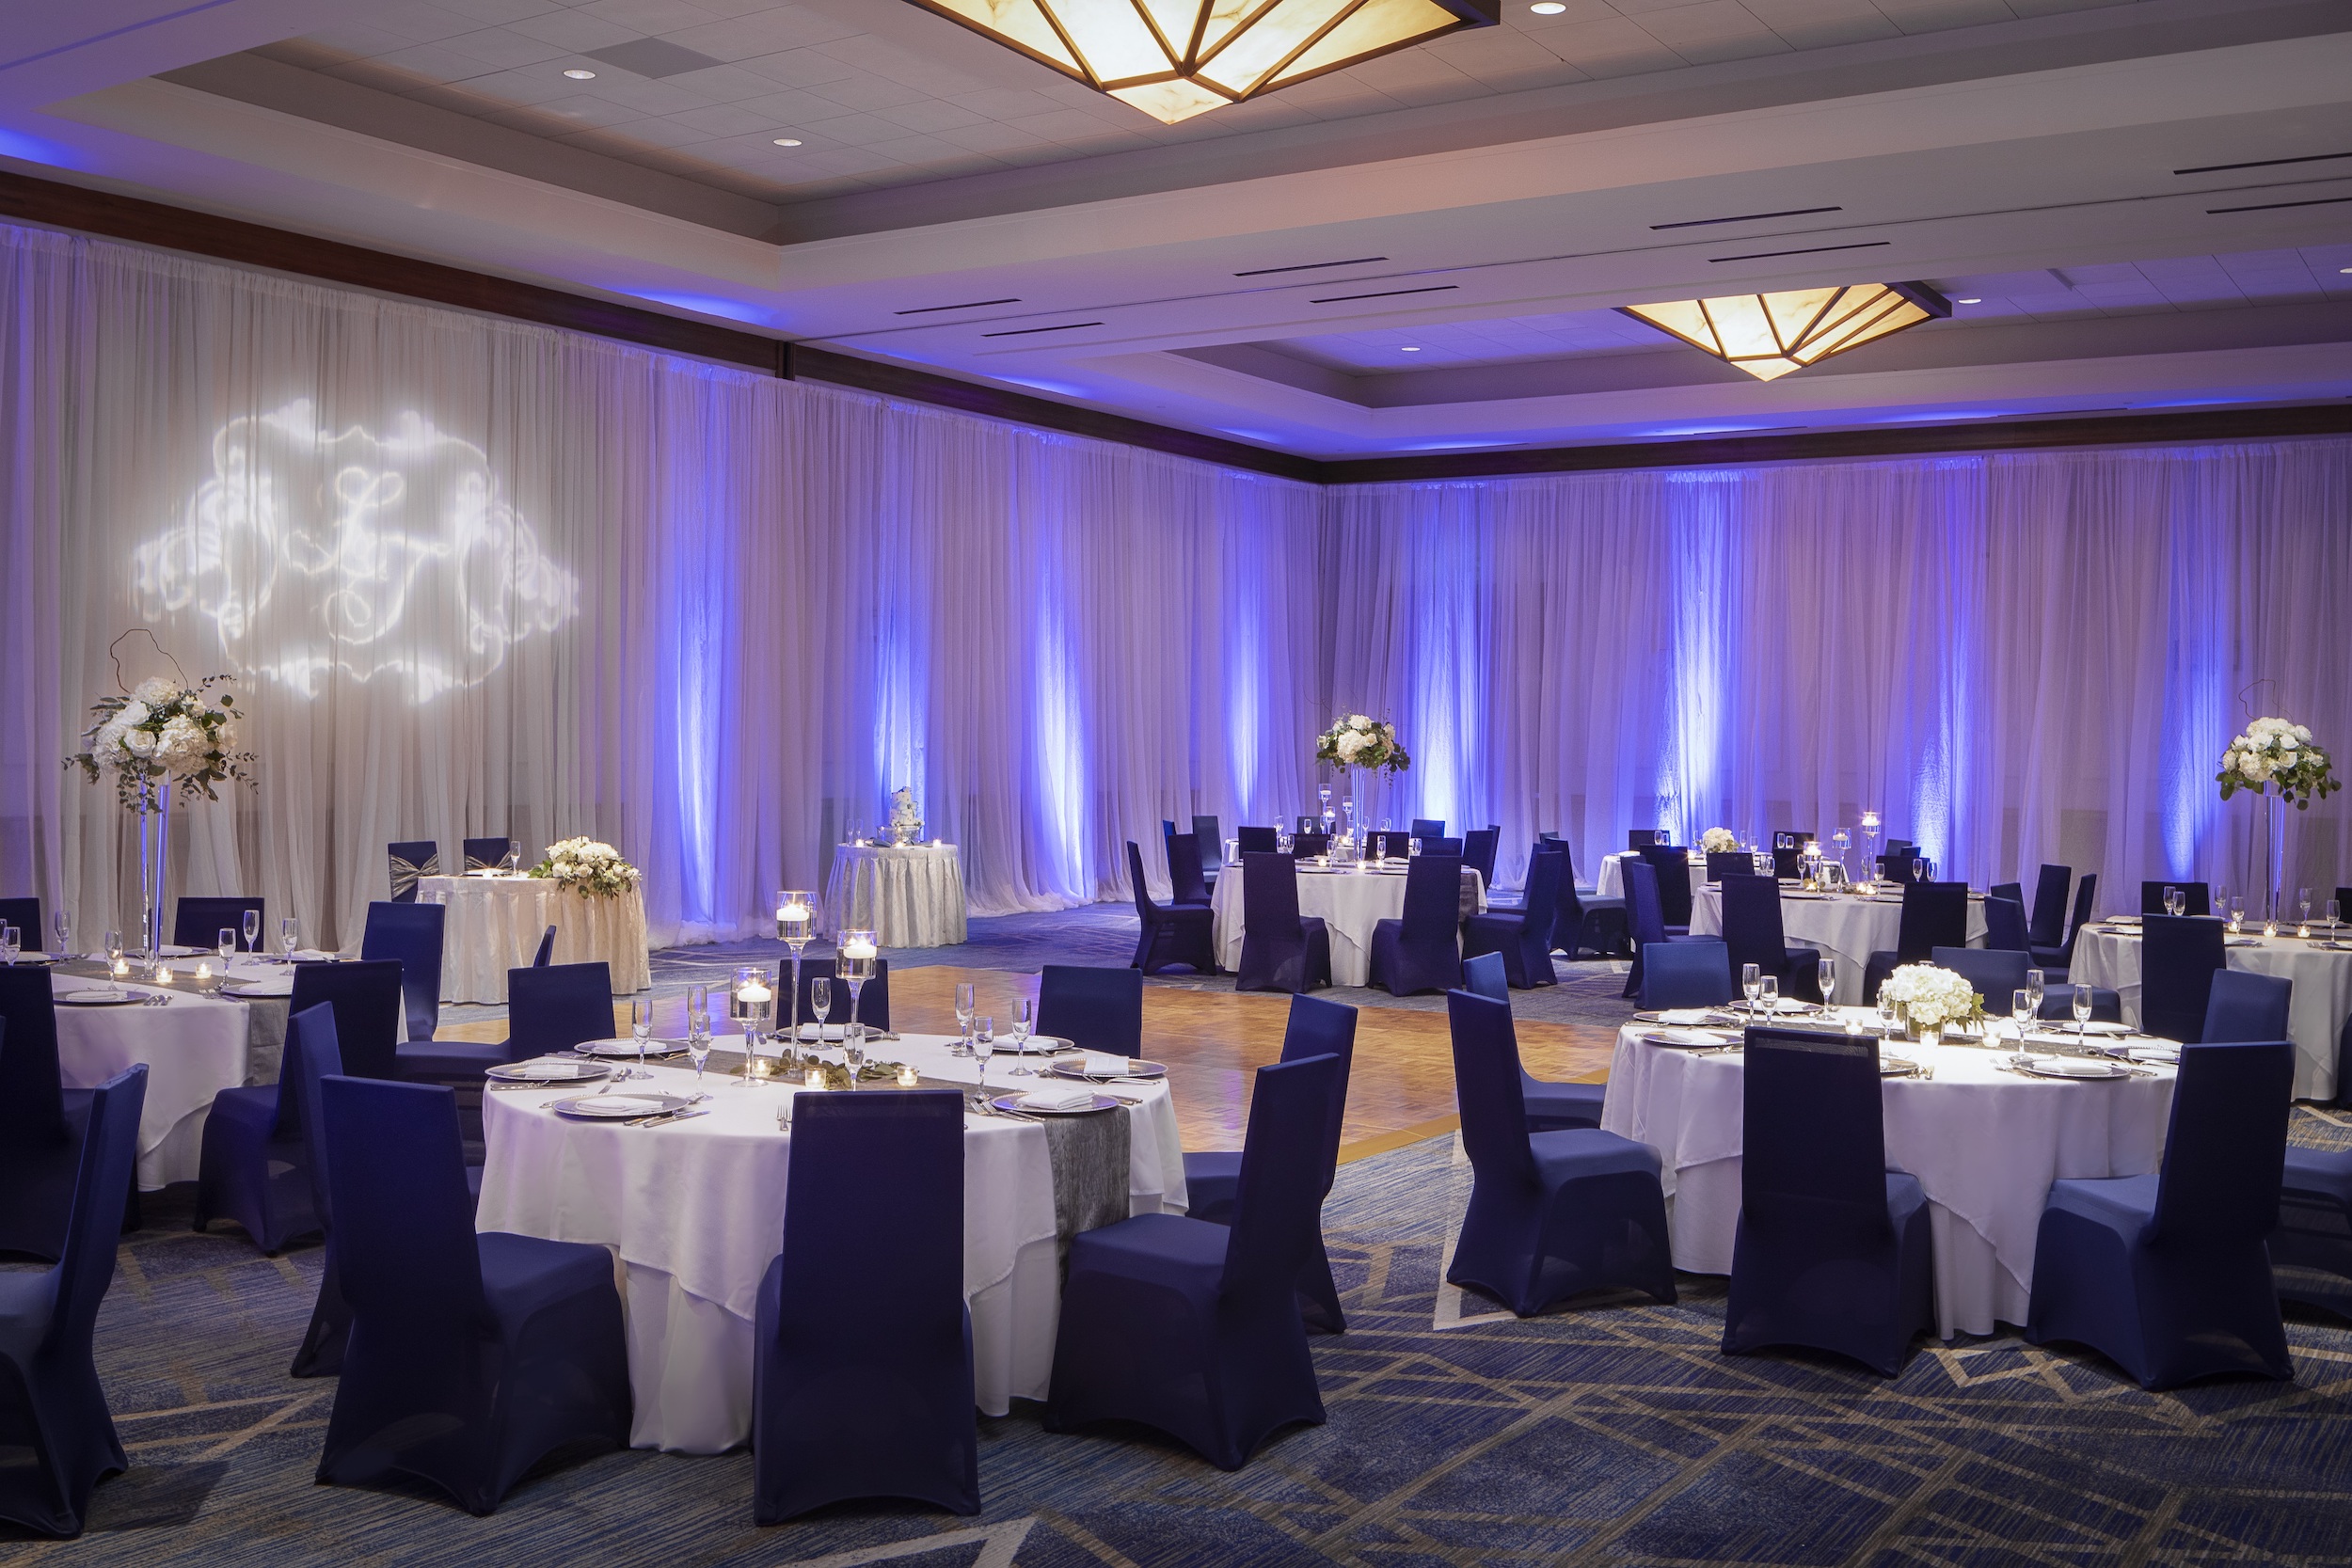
(2035,990)
(698,1028)
(641,1026)
(1768,992)
(2082,1013)
(2174,902)
(820,1003)
(2303,902)
(224,943)
(1024,1020)
(2335,916)
(2021,1007)
(62,924)
(12,943)
(1751,983)
(983,1045)
(967,1002)
(253,930)
(289,935)
(1828,976)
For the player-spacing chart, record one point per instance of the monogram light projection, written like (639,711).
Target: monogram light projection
(320,553)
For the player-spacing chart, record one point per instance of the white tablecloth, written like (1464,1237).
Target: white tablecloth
(696,1212)
(1608,878)
(909,896)
(495,923)
(1984,1144)
(1845,926)
(2315,1013)
(1350,903)
(193,1047)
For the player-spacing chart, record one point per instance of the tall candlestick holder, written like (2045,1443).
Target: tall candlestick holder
(753,1005)
(796,924)
(854,963)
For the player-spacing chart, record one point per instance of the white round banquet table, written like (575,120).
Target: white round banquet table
(695,1212)
(1842,925)
(1609,876)
(495,923)
(193,1047)
(2109,955)
(1984,1143)
(1349,901)
(907,895)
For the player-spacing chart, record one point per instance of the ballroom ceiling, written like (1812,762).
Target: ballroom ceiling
(2137,203)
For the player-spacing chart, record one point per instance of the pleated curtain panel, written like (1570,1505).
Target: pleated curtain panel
(474,576)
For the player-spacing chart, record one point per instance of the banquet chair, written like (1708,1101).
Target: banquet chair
(365,999)
(1205,829)
(546,952)
(1646,922)
(1188,880)
(1551,1215)
(1550,1107)
(319,1058)
(2005,928)
(254,1166)
(1095,1009)
(1212,1307)
(24,914)
(198,922)
(2055,961)
(1833,1251)
(42,1122)
(1729,862)
(873,1000)
(2013,892)
(1428,827)
(484,853)
(410,936)
(2244,1007)
(2047,923)
(1523,937)
(1315,1029)
(1689,972)
(2168,1276)
(1440,846)
(2311,1250)
(548,1010)
(1672,866)
(1390,844)
(1257,841)
(51,1406)
(1281,949)
(1304,844)
(1479,846)
(1586,920)
(1177,933)
(1906,865)
(2179,956)
(1788,861)
(1641,838)
(472,1355)
(2196,898)
(1422,950)
(1935,914)
(1752,932)
(1307,825)
(408,860)
(873,1235)
(1999,973)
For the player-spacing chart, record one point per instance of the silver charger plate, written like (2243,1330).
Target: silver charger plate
(1688,1045)
(616,1048)
(618,1107)
(1035,1045)
(84,999)
(1136,1067)
(1013,1102)
(2113,1071)
(554,1074)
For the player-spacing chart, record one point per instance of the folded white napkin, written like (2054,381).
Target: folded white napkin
(1788,1005)
(2072,1067)
(32,958)
(2154,1052)
(110,992)
(311,955)
(1684,1016)
(1689,1037)
(1095,1066)
(1058,1100)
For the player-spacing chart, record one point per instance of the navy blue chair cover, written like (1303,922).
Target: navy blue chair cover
(2013,892)
(1217,1304)
(873,1236)
(2047,925)
(1645,920)
(1315,1029)
(198,922)
(1522,936)
(2167,1275)
(1307,825)
(319,1058)
(1787,861)
(1550,1107)
(42,1122)
(2178,958)
(1421,952)
(1479,846)
(2005,928)
(1179,933)
(548,1008)
(1483,975)
(1935,914)
(1257,841)
(1690,971)
(1096,1009)
(1189,884)
(254,1165)
(1281,949)
(484,853)
(365,999)
(1729,862)
(472,1355)
(1304,843)
(2196,898)
(407,860)
(1587,921)
(410,935)
(546,954)
(2310,1251)
(873,1001)
(1440,846)
(1393,845)
(1905,866)
(1999,975)
(1551,1213)
(24,914)
(1832,1250)
(1641,838)
(2054,962)
(1754,934)
(2244,1005)
(50,1402)
(1672,865)
(1428,827)
(1212,841)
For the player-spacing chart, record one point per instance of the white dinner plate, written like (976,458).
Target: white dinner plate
(2069,1067)
(262,988)
(1013,1102)
(629,1048)
(617,1107)
(1136,1067)
(1687,1040)
(99,999)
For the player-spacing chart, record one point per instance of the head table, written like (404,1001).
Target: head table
(695,1209)
(1985,1144)
(495,923)
(1847,927)
(1350,900)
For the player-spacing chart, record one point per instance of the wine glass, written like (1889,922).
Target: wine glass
(2237,911)
(224,943)
(1024,1020)
(62,924)
(1918,869)
(967,1002)
(820,1003)
(640,1028)
(289,935)
(2334,912)
(2082,1012)
(983,1045)
(1828,976)
(1886,1009)
(2021,1007)
(12,943)
(2035,989)
(113,943)
(2174,900)
(1751,982)
(1768,992)
(253,930)
(698,1028)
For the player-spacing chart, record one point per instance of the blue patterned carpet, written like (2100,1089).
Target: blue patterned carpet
(1612,1433)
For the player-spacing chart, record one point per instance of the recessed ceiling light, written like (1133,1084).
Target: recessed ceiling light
(2344,269)
(576,74)
(1549,8)
(1410,349)
(1968,302)
(787,141)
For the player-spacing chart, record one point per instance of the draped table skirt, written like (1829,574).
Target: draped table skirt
(907,895)
(1842,925)
(2316,1012)
(1350,902)
(1984,1144)
(695,1212)
(495,923)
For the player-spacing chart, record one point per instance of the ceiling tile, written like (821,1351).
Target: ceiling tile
(574,30)
(1933,16)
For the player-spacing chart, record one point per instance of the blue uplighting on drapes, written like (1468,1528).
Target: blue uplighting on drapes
(1700,606)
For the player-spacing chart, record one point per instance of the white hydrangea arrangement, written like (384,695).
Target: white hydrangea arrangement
(1361,742)
(586,867)
(2273,751)
(1928,997)
(161,734)
(1719,841)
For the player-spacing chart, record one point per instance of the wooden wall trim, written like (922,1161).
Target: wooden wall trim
(73,207)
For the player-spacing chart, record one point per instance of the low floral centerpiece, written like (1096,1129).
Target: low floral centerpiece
(906,817)
(1359,741)
(1719,841)
(1930,998)
(2276,754)
(585,866)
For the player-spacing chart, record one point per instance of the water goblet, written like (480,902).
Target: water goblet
(2021,1009)
(966,1006)
(640,1028)
(1024,1020)
(62,924)
(253,930)
(2082,1012)
(1828,976)
(1886,1010)
(1918,869)
(2174,901)
(983,1045)
(1768,992)
(288,936)
(1751,981)
(225,944)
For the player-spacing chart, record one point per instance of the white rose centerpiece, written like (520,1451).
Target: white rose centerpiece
(160,736)
(585,866)
(906,817)
(1361,742)
(1719,841)
(2276,754)
(1927,997)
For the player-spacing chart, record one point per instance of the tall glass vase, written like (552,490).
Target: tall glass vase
(154,827)
(2265,854)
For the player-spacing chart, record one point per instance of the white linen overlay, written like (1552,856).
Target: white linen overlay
(1349,902)
(909,896)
